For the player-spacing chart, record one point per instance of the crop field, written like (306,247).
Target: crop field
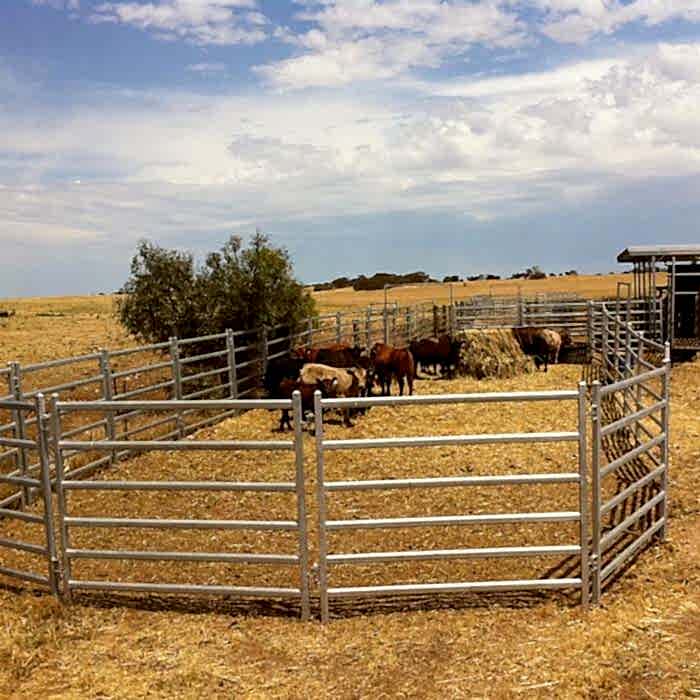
(641,642)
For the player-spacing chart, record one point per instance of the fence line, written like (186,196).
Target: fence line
(325,488)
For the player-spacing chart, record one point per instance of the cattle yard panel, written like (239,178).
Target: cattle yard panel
(67,483)
(41,541)
(326,488)
(630,445)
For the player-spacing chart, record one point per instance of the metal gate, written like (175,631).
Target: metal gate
(32,526)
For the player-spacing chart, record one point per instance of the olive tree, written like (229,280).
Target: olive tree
(239,287)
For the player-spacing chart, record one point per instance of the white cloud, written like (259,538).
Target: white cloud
(165,163)
(576,21)
(58,4)
(207,68)
(360,40)
(202,22)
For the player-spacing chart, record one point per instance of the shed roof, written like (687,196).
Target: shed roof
(662,253)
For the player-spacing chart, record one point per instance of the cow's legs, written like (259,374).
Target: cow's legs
(285,420)
(399,379)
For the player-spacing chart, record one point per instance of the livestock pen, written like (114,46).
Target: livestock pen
(507,496)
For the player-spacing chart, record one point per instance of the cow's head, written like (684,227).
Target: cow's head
(566,339)
(328,387)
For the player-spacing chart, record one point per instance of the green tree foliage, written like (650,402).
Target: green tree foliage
(237,287)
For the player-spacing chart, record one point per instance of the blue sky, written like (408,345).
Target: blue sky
(454,136)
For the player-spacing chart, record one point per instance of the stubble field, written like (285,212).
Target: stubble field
(641,642)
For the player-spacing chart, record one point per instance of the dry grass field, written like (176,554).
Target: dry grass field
(642,642)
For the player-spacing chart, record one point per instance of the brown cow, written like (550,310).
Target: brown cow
(543,344)
(443,351)
(288,386)
(336,355)
(387,362)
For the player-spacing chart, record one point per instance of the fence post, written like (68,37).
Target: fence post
(393,326)
(368,326)
(301,505)
(589,328)
(177,380)
(604,342)
(321,504)
(108,395)
(43,440)
(20,430)
(64,537)
(338,327)
(231,355)
(521,310)
(356,333)
(595,487)
(309,332)
(264,350)
(436,321)
(665,417)
(583,493)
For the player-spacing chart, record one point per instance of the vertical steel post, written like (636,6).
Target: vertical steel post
(301,505)
(653,296)
(386,325)
(355,333)
(604,342)
(672,320)
(321,503)
(265,350)
(64,535)
(589,328)
(177,381)
(108,395)
(368,326)
(583,493)
(666,421)
(309,332)
(338,327)
(640,370)
(43,439)
(596,489)
(20,430)
(231,355)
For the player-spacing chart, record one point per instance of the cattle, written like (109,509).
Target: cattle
(336,355)
(285,367)
(443,351)
(387,362)
(543,344)
(345,382)
(287,387)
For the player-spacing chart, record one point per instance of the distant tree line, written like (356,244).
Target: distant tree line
(379,279)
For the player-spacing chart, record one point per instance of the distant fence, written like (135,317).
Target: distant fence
(571,313)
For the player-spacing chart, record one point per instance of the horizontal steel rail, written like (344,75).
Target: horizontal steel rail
(631,549)
(619,498)
(471,586)
(141,370)
(67,386)
(144,390)
(223,557)
(23,546)
(632,454)
(632,381)
(17,442)
(10,405)
(20,515)
(631,418)
(213,404)
(436,399)
(24,575)
(202,375)
(267,487)
(443,520)
(185,589)
(52,364)
(450,481)
(174,445)
(141,348)
(439,440)
(179,524)
(607,540)
(441,554)
(202,339)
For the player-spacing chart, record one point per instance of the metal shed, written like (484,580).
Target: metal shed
(678,298)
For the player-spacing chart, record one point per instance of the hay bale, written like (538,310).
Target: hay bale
(492,353)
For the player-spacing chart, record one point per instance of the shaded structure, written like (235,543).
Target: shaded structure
(678,298)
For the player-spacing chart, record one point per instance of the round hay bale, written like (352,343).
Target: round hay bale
(492,352)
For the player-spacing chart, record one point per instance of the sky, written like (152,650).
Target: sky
(451,136)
